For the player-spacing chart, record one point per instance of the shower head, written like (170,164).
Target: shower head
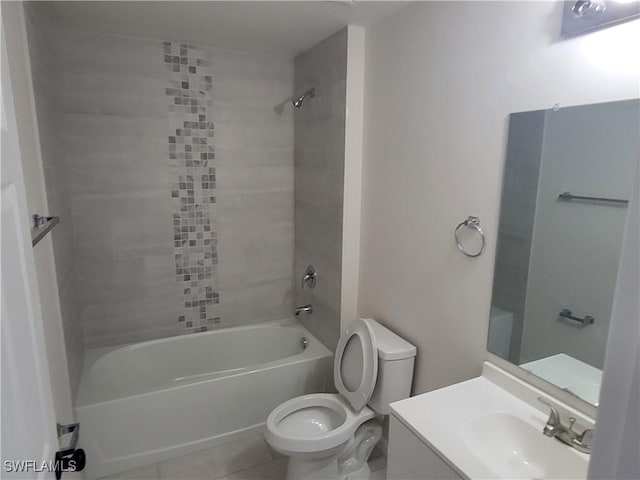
(297,101)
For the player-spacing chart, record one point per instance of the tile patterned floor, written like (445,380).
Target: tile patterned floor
(247,459)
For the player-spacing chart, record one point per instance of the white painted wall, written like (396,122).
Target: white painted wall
(352,198)
(441,79)
(576,245)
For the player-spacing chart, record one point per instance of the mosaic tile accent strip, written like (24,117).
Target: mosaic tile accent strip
(193,183)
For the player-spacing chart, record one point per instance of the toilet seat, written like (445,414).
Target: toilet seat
(340,423)
(321,421)
(355,367)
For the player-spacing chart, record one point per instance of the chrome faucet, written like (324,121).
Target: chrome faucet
(565,433)
(308,309)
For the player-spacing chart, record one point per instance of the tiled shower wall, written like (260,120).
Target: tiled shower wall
(181,180)
(319,179)
(46,96)
(193,182)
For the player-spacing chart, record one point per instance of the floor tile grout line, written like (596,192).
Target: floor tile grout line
(247,469)
(229,474)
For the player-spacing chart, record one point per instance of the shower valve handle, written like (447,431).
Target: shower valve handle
(310,277)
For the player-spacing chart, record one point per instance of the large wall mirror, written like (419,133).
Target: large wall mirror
(567,181)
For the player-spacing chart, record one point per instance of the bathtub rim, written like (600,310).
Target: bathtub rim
(315,350)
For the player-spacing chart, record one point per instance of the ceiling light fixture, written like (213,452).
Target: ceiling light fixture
(583,16)
(587,7)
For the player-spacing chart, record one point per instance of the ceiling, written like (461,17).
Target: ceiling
(284,27)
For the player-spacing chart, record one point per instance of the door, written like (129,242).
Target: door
(28,441)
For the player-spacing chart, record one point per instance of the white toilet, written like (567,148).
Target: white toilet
(330,436)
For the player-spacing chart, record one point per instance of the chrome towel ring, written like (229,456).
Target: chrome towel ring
(470,222)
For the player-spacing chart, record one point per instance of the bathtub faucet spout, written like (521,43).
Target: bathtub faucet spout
(308,309)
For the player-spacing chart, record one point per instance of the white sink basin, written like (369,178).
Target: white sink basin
(490,427)
(513,448)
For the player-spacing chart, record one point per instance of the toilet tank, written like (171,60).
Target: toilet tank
(396,358)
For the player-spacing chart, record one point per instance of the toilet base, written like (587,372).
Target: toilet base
(363,474)
(319,469)
(305,470)
(348,462)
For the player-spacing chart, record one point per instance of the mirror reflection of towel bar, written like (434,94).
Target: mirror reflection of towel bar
(584,321)
(572,196)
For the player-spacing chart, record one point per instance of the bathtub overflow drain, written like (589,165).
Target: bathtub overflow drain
(304,343)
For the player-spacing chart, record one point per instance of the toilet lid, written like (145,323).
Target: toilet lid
(356,364)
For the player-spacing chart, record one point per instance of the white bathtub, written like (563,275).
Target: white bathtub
(146,402)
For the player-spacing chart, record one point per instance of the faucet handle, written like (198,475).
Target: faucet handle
(584,441)
(310,277)
(586,437)
(554,416)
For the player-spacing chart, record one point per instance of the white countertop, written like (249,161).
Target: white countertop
(439,418)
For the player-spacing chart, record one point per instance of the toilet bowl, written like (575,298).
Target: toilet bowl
(313,430)
(313,424)
(330,436)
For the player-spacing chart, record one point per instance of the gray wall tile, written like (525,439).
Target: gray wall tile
(117,118)
(319,182)
(46,94)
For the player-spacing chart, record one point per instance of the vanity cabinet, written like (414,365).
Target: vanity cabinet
(487,427)
(410,459)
